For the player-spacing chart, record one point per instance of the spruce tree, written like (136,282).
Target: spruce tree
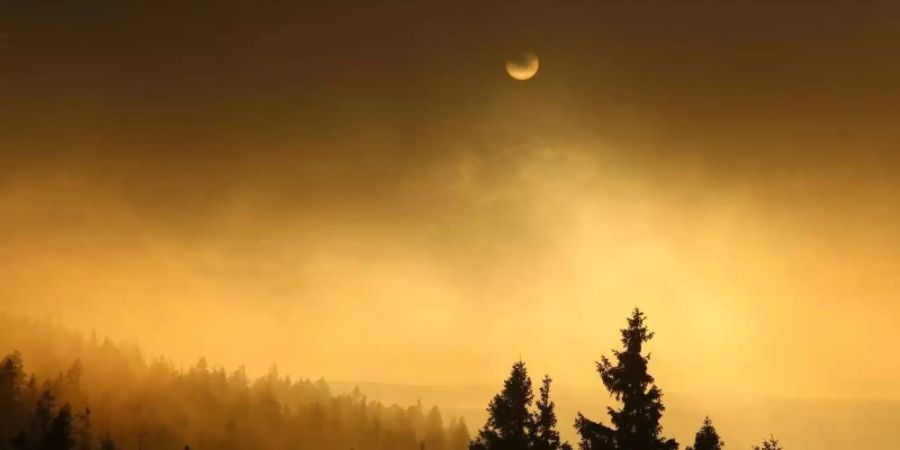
(636,424)
(544,435)
(435,438)
(13,411)
(43,415)
(11,377)
(512,425)
(509,419)
(768,444)
(60,435)
(458,434)
(84,435)
(707,438)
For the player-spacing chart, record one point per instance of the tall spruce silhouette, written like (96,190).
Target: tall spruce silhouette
(12,410)
(707,438)
(636,424)
(509,420)
(43,416)
(83,435)
(544,435)
(512,425)
(59,436)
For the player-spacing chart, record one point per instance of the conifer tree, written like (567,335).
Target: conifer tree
(13,415)
(85,438)
(458,438)
(11,375)
(59,436)
(636,424)
(768,444)
(512,425)
(43,415)
(544,435)
(435,438)
(509,419)
(707,438)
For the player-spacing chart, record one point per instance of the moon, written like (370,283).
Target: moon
(523,67)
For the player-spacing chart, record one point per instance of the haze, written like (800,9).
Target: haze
(360,192)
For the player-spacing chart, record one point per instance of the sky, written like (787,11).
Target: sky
(358,190)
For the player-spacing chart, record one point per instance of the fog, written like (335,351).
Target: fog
(375,201)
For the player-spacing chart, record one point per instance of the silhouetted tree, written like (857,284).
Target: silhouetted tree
(707,438)
(43,415)
(509,420)
(11,375)
(13,413)
(59,436)
(73,375)
(636,423)
(435,438)
(83,435)
(768,444)
(511,424)
(458,434)
(544,435)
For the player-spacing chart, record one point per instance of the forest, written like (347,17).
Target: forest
(516,421)
(110,398)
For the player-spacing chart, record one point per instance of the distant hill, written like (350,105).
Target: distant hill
(820,424)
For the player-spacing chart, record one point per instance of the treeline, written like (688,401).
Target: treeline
(516,422)
(110,399)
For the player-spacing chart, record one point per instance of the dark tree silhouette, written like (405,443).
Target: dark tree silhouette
(511,424)
(11,375)
(12,402)
(43,415)
(544,435)
(636,423)
(59,436)
(769,444)
(84,436)
(707,438)
(509,420)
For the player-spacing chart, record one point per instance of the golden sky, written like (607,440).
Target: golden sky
(361,192)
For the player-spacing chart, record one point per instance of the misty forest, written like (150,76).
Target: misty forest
(64,392)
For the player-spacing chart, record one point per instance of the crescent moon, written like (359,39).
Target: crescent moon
(524,67)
